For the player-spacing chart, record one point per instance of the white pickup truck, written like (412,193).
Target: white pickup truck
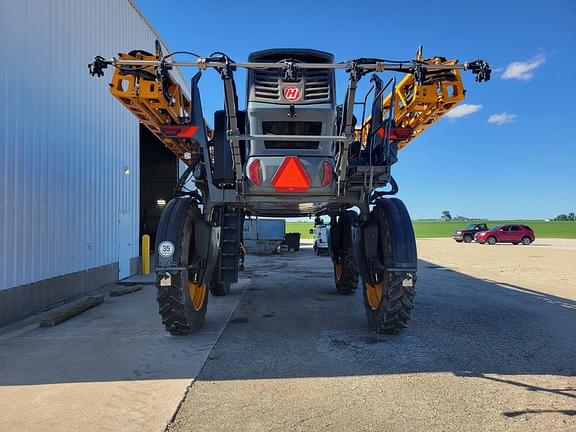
(320,232)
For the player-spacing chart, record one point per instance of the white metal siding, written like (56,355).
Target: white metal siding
(65,141)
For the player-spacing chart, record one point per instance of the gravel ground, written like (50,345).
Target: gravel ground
(492,346)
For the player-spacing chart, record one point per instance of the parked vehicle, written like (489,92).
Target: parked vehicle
(507,234)
(320,232)
(467,234)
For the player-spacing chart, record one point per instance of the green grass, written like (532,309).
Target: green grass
(300,227)
(436,228)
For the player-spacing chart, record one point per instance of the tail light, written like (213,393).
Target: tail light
(255,172)
(179,131)
(291,176)
(327,173)
(396,133)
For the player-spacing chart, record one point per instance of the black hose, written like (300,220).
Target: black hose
(379,194)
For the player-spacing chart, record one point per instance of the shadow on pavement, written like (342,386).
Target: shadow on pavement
(295,325)
(291,323)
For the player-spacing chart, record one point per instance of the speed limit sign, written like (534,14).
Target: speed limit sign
(166,249)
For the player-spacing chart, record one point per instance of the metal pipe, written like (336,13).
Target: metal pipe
(230,135)
(203,63)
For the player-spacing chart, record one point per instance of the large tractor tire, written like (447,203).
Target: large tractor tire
(388,302)
(346,274)
(182,302)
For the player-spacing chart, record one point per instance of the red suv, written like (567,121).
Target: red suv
(507,234)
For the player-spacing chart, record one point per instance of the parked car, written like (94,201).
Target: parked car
(467,234)
(507,234)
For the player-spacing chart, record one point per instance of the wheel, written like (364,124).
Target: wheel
(316,250)
(467,238)
(389,302)
(219,288)
(526,241)
(491,240)
(346,274)
(182,303)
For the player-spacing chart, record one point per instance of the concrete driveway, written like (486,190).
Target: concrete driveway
(488,349)
(113,368)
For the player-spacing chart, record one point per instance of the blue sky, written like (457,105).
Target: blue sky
(519,165)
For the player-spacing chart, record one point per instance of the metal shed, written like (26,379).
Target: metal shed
(69,153)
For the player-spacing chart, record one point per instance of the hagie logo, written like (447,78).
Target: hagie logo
(292,93)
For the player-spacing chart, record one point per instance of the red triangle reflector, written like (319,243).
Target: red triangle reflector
(291,176)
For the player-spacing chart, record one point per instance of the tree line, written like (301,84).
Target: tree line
(446,216)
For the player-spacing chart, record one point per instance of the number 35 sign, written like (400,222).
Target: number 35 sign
(166,249)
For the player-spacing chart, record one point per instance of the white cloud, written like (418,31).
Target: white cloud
(523,70)
(463,110)
(502,118)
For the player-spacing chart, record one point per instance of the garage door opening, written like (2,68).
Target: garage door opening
(158,177)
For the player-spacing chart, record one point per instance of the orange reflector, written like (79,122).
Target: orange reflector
(255,172)
(291,176)
(328,173)
(396,133)
(179,131)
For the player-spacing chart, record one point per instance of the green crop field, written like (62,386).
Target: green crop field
(436,228)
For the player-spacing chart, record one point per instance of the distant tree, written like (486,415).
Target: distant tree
(446,216)
(571,217)
(562,217)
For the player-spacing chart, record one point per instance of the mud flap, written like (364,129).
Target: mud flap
(390,212)
(206,244)
(340,235)
(366,240)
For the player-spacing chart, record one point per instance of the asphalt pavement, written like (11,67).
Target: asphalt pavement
(477,355)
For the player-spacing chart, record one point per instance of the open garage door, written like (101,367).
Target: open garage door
(158,177)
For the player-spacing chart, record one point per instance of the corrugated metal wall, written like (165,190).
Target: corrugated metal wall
(65,142)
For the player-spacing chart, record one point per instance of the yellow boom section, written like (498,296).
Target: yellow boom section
(154,102)
(417,106)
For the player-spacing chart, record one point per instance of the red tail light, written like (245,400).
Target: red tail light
(396,133)
(291,176)
(179,131)
(255,172)
(327,174)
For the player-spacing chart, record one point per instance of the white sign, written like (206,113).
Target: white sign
(166,249)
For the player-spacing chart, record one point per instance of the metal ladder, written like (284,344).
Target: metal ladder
(230,245)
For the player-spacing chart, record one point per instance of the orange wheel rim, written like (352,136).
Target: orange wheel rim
(197,295)
(338,271)
(374,295)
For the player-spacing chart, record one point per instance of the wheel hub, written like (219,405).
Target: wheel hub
(374,294)
(197,295)
(338,271)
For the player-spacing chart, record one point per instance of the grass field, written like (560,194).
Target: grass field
(436,228)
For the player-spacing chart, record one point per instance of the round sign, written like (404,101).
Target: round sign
(292,93)
(166,249)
